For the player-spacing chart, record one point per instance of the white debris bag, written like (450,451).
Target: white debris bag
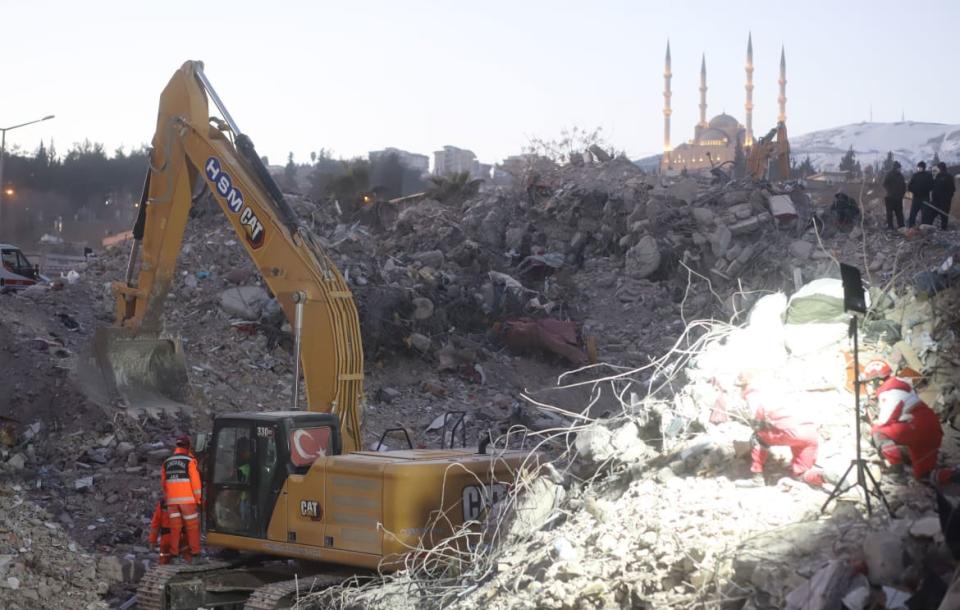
(815,319)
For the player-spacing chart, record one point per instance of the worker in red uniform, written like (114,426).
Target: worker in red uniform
(160,533)
(182,491)
(904,424)
(777,424)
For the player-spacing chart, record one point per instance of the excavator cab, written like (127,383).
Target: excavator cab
(250,457)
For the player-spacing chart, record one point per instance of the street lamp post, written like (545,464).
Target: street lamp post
(3,152)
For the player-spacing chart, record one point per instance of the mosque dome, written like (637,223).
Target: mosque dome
(724,121)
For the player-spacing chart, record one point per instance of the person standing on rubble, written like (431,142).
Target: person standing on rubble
(942,195)
(920,185)
(896,188)
(778,425)
(160,535)
(906,430)
(182,490)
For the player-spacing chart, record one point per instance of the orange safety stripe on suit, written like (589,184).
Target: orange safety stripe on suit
(180,478)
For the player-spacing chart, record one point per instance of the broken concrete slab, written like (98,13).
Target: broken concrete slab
(685,190)
(800,249)
(750,224)
(927,527)
(720,240)
(884,554)
(17,461)
(704,216)
(644,258)
(741,211)
(246,302)
(782,208)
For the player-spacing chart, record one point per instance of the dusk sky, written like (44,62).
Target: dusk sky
(361,75)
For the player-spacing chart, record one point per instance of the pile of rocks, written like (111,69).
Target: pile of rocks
(41,564)
(647,514)
(624,258)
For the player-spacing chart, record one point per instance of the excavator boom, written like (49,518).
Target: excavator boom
(193,153)
(286,483)
(773,146)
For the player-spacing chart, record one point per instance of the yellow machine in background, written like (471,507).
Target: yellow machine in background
(291,484)
(772,147)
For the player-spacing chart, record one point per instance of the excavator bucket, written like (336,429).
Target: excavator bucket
(147,370)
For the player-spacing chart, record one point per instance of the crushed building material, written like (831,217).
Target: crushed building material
(645,442)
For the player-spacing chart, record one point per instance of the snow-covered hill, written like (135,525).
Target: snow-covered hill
(909,141)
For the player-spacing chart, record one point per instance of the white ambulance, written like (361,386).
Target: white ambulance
(16,272)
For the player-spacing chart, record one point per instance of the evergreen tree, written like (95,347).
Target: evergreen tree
(805,168)
(887,163)
(936,160)
(290,173)
(849,165)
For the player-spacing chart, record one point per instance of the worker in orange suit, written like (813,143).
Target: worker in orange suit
(160,533)
(182,491)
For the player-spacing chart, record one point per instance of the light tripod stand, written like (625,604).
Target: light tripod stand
(855,301)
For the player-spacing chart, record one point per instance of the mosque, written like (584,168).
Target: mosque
(715,141)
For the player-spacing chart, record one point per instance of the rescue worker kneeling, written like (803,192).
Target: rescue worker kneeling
(779,425)
(904,424)
(160,532)
(182,491)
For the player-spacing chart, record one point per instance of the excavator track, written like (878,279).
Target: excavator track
(152,589)
(283,595)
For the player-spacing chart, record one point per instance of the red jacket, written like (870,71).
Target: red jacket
(896,400)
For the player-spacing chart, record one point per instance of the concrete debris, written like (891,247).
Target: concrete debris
(535,509)
(245,302)
(801,249)
(644,258)
(17,461)
(825,590)
(927,527)
(782,208)
(420,342)
(83,483)
(473,306)
(884,555)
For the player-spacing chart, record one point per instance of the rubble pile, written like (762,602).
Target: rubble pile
(645,511)
(41,564)
(638,520)
(78,479)
(473,305)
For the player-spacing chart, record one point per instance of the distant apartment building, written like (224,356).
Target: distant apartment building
(412,160)
(515,169)
(453,160)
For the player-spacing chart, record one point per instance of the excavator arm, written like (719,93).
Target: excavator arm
(774,145)
(192,153)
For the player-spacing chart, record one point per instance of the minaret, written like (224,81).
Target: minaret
(666,102)
(703,91)
(782,100)
(748,138)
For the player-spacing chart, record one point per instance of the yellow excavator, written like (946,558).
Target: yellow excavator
(772,147)
(295,484)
